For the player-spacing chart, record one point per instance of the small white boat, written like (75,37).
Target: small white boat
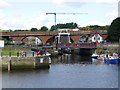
(94,60)
(48,54)
(94,55)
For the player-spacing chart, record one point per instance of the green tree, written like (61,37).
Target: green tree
(33,29)
(114,30)
(97,27)
(52,28)
(44,28)
(65,26)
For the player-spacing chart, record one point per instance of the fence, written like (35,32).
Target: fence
(19,54)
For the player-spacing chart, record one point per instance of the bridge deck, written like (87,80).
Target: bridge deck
(28,33)
(73,46)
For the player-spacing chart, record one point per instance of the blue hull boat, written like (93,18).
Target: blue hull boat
(112,61)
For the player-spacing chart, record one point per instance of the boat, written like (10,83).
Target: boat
(94,60)
(114,59)
(94,55)
(101,57)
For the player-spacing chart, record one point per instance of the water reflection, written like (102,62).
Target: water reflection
(72,59)
(67,71)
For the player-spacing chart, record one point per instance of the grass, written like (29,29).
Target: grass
(7,52)
(13,50)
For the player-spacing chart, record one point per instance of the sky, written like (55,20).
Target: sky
(27,14)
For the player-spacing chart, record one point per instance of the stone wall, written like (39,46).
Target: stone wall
(22,63)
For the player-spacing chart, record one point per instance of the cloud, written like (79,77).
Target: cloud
(58,1)
(107,1)
(37,21)
(3,3)
(119,9)
(29,1)
(82,2)
(2,19)
(18,22)
(112,15)
(62,1)
(1,16)
(75,3)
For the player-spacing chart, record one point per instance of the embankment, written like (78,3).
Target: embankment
(24,63)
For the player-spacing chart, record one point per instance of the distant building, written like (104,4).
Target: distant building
(68,29)
(2,43)
(32,41)
(97,37)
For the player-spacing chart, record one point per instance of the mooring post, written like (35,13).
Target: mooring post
(9,54)
(25,54)
(67,58)
(17,54)
(1,54)
(34,63)
(61,57)
(33,54)
(9,65)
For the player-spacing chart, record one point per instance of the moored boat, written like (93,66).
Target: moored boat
(94,55)
(114,59)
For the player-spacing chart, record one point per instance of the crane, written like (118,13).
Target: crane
(64,14)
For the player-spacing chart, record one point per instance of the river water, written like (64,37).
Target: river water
(68,71)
